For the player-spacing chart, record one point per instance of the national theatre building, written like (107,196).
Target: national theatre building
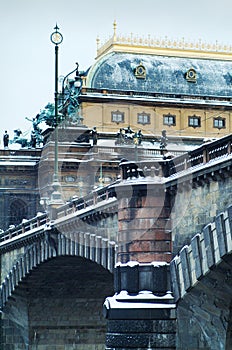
(135,89)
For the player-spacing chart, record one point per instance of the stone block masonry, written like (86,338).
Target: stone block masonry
(142,313)
(201,280)
(144,224)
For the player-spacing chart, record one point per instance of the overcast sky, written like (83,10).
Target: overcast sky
(27,55)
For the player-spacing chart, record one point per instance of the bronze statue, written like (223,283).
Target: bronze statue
(6,139)
(163,140)
(94,135)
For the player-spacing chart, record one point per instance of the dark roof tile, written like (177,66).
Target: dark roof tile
(164,74)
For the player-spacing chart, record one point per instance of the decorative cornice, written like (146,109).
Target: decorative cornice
(163,46)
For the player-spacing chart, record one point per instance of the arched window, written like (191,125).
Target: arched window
(17,212)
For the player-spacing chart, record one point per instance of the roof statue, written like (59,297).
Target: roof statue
(126,136)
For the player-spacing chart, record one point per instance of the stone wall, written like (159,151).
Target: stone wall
(197,203)
(144,228)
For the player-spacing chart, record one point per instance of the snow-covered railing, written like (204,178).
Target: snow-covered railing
(76,204)
(26,225)
(21,152)
(89,200)
(138,152)
(202,155)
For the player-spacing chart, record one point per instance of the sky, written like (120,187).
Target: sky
(27,69)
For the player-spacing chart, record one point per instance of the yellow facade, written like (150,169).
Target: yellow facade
(200,112)
(99,115)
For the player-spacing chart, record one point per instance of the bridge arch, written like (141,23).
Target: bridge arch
(60,284)
(50,244)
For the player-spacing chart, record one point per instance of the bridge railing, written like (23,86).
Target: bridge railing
(75,205)
(202,155)
(171,164)
(89,200)
(26,225)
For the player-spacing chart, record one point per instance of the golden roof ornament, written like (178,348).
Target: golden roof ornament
(163,46)
(98,42)
(115,29)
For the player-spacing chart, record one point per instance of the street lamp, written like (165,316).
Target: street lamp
(56,199)
(64,79)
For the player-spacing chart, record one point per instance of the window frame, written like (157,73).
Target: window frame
(142,116)
(169,116)
(116,120)
(219,119)
(194,118)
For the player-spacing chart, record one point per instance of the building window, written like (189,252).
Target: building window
(219,122)
(191,75)
(169,119)
(117,117)
(70,178)
(143,118)
(194,121)
(140,71)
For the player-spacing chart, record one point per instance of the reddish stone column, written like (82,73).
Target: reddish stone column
(142,313)
(144,221)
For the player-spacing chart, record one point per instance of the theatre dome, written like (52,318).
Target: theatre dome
(176,68)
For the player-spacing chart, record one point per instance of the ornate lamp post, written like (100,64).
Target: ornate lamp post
(64,79)
(56,199)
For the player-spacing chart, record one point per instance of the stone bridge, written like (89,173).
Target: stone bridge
(56,273)
(202,286)
(55,276)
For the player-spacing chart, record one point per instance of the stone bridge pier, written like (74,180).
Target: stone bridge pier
(142,312)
